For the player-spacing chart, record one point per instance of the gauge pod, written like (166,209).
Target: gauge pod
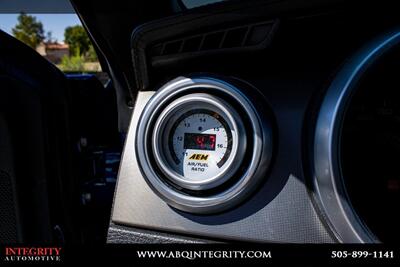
(202,145)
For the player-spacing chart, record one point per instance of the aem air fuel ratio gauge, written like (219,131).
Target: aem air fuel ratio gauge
(199,141)
(202,145)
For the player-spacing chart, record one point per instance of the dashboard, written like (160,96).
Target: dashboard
(260,121)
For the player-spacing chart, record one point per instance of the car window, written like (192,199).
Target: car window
(60,38)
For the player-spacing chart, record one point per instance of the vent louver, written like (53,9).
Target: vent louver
(250,36)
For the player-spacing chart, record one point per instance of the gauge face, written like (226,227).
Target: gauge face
(200,143)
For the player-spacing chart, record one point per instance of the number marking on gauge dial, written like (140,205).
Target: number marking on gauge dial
(200,142)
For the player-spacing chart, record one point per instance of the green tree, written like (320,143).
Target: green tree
(29,30)
(74,63)
(49,37)
(91,55)
(77,39)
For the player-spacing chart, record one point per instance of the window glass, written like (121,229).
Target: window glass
(60,38)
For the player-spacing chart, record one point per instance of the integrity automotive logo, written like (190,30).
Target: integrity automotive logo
(32,254)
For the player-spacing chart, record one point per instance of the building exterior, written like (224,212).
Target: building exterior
(53,51)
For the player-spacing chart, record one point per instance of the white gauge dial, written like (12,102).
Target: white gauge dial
(200,143)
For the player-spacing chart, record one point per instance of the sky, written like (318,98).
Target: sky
(56,23)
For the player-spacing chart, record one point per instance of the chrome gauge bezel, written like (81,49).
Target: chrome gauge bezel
(330,192)
(220,193)
(168,118)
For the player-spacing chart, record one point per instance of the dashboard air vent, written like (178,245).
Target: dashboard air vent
(251,36)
